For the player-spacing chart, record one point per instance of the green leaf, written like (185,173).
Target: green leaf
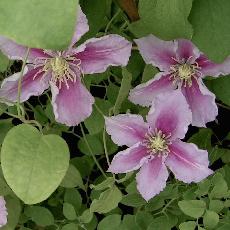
(190,225)
(220,186)
(86,216)
(72,196)
(111,222)
(202,139)
(4,62)
(107,201)
(216,205)
(124,90)
(128,223)
(193,208)
(143,219)
(95,123)
(40,24)
(69,211)
(203,187)
(72,178)
(162,222)
(166,19)
(96,14)
(133,200)
(4,188)
(149,72)
(209,19)
(3,107)
(33,164)
(210,219)
(14,210)
(94,142)
(220,87)
(70,226)
(136,64)
(5,126)
(108,182)
(40,215)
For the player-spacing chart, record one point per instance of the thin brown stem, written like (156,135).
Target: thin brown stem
(130,8)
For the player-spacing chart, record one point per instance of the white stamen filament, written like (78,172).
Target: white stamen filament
(184,72)
(157,143)
(60,68)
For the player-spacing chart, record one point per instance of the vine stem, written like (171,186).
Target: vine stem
(91,152)
(20,82)
(104,137)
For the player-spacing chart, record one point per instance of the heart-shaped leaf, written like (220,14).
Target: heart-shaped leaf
(33,164)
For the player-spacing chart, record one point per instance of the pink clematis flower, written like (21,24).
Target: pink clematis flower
(182,66)
(156,144)
(3,212)
(62,71)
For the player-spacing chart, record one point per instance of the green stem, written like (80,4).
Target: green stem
(112,19)
(20,81)
(91,152)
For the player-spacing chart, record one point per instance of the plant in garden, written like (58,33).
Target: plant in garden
(63,70)
(155,145)
(182,66)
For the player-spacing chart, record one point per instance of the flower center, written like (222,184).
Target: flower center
(60,68)
(183,72)
(157,143)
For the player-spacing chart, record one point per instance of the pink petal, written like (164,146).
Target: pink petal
(187,162)
(3,212)
(144,94)
(126,129)
(209,68)
(157,52)
(170,113)
(225,66)
(97,54)
(81,26)
(129,160)
(71,106)
(202,103)
(17,52)
(152,177)
(30,87)
(187,50)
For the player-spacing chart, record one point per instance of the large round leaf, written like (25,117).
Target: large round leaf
(33,164)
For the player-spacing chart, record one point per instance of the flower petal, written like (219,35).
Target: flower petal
(144,94)
(170,113)
(201,102)
(157,52)
(30,86)
(17,52)
(129,160)
(152,177)
(209,68)
(81,26)
(126,129)
(3,212)
(187,162)
(187,50)
(97,54)
(71,106)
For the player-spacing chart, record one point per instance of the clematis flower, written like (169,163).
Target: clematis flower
(182,66)
(156,145)
(62,71)
(3,212)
